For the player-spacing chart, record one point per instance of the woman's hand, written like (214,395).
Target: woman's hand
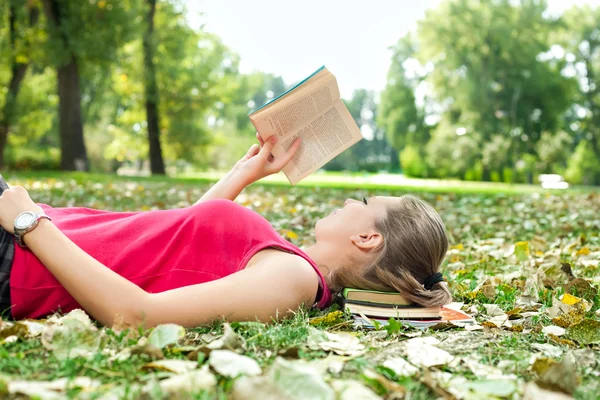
(13,202)
(259,162)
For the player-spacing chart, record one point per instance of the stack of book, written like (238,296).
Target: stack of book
(371,307)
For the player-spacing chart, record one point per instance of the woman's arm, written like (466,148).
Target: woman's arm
(100,291)
(255,165)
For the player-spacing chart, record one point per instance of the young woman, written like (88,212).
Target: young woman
(212,260)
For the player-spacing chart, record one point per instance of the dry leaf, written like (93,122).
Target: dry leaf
(176,366)
(559,376)
(427,355)
(353,390)
(166,334)
(553,330)
(285,380)
(192,381)
(493,310)
(400,366)
(230,340)
(340,343)
(531,391)
(585,332)
(232,365)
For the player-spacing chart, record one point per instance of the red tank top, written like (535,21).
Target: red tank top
(157,250)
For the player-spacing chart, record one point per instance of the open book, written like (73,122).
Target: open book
(313,111)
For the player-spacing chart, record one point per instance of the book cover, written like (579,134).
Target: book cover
(297,85)
(374,296)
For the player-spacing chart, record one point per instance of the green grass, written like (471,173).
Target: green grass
(328,180)
(483,223)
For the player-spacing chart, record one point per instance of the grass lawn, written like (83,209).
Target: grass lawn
(523,261)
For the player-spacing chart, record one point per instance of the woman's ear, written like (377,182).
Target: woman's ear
(367,241)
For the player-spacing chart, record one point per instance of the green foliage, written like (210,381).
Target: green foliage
(372,154)
(412,162)
(399,116)
(582,165)
(493,72)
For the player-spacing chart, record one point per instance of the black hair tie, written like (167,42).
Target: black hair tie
(433,279)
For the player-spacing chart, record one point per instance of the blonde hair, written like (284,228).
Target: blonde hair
(413,248)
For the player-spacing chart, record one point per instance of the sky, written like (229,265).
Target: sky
(293,38)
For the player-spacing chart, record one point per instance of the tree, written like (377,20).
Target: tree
(19,61)
(399,117)
(580,38)
(80,33)
(195,76)
(157,165)
(487,75)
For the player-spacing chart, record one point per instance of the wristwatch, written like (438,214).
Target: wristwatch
(26,222)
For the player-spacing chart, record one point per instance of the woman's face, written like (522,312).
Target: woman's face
(356,217)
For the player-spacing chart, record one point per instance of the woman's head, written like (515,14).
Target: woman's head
(388,244)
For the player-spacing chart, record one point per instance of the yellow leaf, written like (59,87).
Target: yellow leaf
(584,251)
(457,247)
(291,235)
(570,300)
(522,250)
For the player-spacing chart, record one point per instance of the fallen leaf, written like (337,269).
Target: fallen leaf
(230,340)
(522,251)
(560,376)
(581,287)
(353,390)
(400,366)
(192,381)
(72,336)
(426,355)
(493,310)
(569,299)
(531,391)
(50,389)
(340,343)
(285,380)
(332,318)
(553,330)
(166,334)
(232,365)
(548,349)
(176,366)
(488,388)
(585,332)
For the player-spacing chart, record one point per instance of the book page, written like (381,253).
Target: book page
(323,138)
(287,117)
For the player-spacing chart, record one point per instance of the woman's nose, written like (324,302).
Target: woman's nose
(348,201)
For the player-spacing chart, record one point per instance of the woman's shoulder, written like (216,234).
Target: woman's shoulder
(288,267)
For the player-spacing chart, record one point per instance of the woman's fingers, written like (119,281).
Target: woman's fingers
(252,151)
(260,139)
(282,161)
(265,152)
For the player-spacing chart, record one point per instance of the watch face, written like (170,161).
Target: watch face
(25,220)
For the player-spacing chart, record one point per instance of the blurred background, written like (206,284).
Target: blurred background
(496,90)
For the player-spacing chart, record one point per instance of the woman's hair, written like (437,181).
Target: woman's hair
(413,248)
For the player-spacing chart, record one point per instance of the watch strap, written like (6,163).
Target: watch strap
(19,234)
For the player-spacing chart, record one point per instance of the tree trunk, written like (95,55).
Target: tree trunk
(72,144)
(157,165)
(17,75)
